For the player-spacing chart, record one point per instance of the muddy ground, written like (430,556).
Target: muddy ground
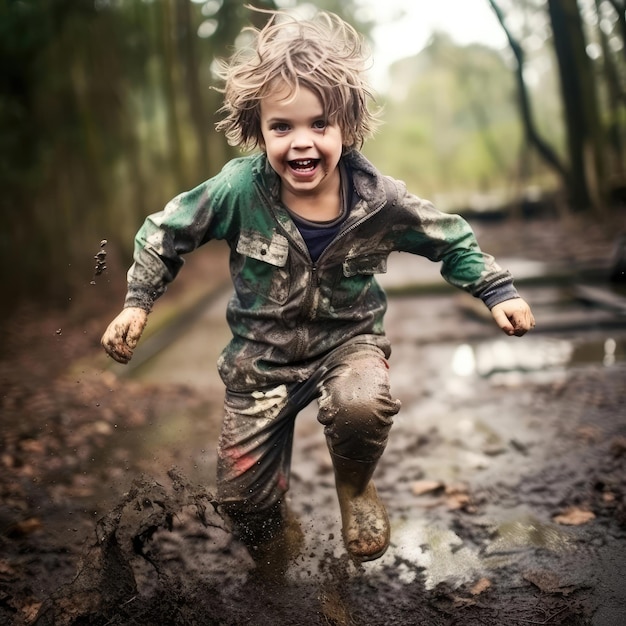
(504,476)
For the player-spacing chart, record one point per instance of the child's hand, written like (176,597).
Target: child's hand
(514,317)
(121,337)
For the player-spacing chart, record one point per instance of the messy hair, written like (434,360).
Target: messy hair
(323,54)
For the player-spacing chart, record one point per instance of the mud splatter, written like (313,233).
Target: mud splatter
(106,585)
(101,261)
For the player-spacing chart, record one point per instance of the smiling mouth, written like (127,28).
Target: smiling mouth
(303,165)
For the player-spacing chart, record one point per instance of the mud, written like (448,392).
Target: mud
(503,478)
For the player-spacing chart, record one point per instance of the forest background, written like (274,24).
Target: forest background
(107,111)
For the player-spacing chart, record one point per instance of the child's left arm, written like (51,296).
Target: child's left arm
(513,316)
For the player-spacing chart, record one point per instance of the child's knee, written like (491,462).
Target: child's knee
(357,404)
(357,425)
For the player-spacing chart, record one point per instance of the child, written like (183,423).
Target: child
(309,222)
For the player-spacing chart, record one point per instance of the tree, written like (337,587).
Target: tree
(533,136)
(611,62)
(585,171)
(578,87)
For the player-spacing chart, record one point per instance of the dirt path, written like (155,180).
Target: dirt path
(504,480)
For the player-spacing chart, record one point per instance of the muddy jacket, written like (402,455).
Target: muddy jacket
(287,312)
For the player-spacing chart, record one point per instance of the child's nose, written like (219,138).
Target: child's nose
(302,139)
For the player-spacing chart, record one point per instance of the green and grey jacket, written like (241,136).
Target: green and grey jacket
(287,312)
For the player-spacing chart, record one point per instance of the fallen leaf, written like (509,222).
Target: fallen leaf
(422,487)
(7,572)
(25,527)
(457,488)
(33,446)
(481,586)
(574,516)
(457,497)
(458,501)
(30,611)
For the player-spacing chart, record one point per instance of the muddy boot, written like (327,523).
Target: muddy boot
(365,525)
(273,539)
(272,557)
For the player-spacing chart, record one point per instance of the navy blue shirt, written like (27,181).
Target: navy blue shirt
(317,235)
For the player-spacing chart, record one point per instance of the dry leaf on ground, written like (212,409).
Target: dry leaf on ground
(574,516)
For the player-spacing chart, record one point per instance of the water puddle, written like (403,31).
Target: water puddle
(504,360)
(524,531)
(440,555)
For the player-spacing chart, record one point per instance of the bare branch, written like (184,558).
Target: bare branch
(532,134)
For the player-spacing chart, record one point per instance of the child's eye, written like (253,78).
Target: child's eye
(280,127)
(320,124)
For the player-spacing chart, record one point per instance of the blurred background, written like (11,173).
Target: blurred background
(107,111)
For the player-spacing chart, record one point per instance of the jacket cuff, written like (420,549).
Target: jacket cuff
(139,299)
(498,294)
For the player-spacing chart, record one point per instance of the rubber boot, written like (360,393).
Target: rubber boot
(273,539)
(365,525)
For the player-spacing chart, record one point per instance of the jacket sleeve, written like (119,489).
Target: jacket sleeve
(186,222)
(449,239)
(160,244)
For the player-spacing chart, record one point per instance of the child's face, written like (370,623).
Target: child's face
(301,145)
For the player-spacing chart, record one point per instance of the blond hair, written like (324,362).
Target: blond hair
(323,54)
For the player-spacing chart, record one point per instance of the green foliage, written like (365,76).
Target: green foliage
(452,121)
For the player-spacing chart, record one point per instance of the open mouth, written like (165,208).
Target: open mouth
(303,165)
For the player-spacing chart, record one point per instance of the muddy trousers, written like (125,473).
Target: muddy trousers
(355,407)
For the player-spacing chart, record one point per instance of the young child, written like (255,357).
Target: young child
(309,222)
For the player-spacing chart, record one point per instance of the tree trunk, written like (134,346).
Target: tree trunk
(578,89)
(192,83)
(615,97)
(620,9)
(170,96)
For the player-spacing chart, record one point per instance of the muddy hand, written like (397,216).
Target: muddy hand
(121,337)
(514,317)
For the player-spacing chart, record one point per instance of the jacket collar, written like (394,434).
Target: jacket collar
(367,180)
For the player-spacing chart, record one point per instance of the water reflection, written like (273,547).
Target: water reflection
(440,555)
(505,357)
(610,347)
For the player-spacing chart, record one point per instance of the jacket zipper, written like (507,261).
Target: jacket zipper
(306,313)
(356,224)
(314,282)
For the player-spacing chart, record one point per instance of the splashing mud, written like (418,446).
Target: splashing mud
(101,261)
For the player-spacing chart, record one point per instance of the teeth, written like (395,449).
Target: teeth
(303,163)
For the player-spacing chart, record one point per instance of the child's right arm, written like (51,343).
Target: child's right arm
(121,337)
(191,219)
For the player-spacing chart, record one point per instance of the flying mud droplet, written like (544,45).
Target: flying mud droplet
(101,261)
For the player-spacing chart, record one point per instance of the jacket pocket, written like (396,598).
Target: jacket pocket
(368,264)
(355,280)
(261,273)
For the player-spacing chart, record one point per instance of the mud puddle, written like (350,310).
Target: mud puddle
(503,479)
(467,522)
